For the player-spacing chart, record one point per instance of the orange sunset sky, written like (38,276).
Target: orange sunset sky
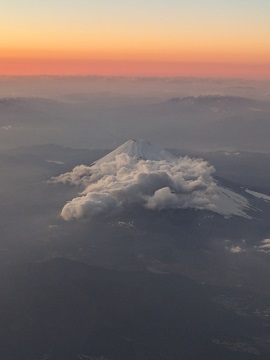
(136,38)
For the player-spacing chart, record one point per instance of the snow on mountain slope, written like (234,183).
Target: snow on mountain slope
(258,195)
(137,173)
(139,150)
(230,203)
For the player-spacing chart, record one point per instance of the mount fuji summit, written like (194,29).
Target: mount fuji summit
(140,150)
(139,174)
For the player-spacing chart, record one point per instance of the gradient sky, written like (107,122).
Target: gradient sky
(122,37)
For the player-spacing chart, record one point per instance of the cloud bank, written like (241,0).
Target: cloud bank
(125,181)
(264,246)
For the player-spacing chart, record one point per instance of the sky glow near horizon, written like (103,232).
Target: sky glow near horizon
(157,38)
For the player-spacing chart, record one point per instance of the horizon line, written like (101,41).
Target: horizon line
(150,77)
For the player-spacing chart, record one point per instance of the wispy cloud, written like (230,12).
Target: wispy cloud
(264,246)
(7,127)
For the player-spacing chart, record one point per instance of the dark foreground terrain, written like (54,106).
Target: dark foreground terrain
(66,310)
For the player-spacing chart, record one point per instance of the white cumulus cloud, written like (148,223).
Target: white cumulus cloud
(124,181)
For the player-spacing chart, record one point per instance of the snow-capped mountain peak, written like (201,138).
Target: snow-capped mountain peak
(140,150)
